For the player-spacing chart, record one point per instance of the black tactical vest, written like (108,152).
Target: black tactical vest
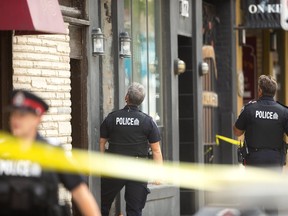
(265,128)
(27,193)
(127,133)
(26,189)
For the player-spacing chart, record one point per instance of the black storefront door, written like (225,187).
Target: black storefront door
(5,75)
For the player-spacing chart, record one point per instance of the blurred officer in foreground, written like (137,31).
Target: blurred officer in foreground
(264,123)
(25,188)
(129,132)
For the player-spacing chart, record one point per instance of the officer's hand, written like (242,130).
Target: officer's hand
(157,182)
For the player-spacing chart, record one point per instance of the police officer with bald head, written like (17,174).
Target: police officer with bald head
(25,187)
(129,132)
(264,123)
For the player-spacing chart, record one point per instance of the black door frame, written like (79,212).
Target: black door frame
(6,72)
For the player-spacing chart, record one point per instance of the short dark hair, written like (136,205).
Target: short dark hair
(268,85)
(136,93)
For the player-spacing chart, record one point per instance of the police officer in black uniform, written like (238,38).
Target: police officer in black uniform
(27,189)
(129,132)
(264,123)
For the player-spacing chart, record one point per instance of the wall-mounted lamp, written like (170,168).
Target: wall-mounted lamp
(273,41)
(125,45)
(179,66)
(242,36)
(204,68)
(97,42)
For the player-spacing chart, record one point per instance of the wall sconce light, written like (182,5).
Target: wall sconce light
(204,68)
(179,66)
(97,42)
(242,37)
(125,45)
(273,41)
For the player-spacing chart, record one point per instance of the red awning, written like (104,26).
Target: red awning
(31,16)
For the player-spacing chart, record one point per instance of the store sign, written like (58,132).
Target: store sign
(284,14)
(262,8)
(184,8)
(261,13)
(210,98)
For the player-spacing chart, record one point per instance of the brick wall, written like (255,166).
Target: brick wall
(41,64)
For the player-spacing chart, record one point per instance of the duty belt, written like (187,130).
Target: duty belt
(253,149)
(141,156)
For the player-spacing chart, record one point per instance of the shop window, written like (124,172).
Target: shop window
(142,22)
(210,22)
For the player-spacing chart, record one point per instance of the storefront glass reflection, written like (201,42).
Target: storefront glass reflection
(142,22)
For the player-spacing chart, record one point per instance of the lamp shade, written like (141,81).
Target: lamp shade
(97,42)
(125,45)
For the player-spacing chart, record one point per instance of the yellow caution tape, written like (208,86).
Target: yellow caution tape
(226,139)
(186,175)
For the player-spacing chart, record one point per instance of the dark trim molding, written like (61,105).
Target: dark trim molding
(6,73)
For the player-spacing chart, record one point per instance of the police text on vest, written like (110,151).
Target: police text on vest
(266,115)
(127,121)
(19,168)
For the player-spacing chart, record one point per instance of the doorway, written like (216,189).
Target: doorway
(6,71)
(78,87)
(79,106)
(249,60)
(186,120)
(78,92)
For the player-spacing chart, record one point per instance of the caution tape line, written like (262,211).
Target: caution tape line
(186,175)
(226,139)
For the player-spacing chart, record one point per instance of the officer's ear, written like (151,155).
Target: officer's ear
(260,92)
(126,98)
(39,118)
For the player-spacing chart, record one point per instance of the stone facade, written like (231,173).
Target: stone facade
(108,87)
(41,63)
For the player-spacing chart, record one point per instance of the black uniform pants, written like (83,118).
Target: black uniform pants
(266,158)
(135,195)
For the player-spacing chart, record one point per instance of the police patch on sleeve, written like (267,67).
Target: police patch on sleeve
(251,102)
